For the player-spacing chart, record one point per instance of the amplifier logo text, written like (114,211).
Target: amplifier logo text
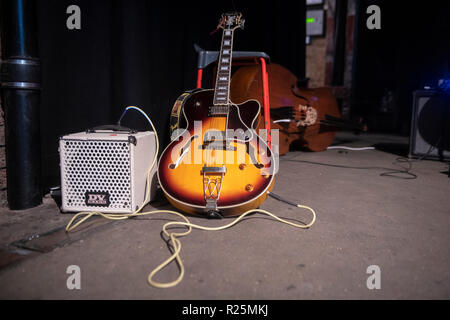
(97,199)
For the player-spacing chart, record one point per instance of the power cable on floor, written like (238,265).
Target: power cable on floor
(403,173)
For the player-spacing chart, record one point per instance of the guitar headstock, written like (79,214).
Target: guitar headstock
(231,21)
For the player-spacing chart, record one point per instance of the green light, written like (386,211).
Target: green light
(309,20)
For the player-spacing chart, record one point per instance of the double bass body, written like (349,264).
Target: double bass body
(304,117)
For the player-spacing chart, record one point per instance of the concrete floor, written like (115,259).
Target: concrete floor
(363,219)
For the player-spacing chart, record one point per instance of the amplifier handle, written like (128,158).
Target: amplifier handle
(112,127)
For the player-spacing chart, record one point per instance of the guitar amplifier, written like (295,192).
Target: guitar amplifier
(430,125)
(106,170)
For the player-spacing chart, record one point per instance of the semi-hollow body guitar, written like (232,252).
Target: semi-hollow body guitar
(218,165)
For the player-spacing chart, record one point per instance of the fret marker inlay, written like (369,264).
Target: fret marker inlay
(221,94)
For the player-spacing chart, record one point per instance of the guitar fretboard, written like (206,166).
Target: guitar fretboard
(222,89)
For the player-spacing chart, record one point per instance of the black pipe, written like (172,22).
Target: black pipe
(20,87)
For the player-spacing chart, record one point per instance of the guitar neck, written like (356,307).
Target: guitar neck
(222,88)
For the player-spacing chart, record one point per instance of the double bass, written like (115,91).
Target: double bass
(217,166)
(305,117)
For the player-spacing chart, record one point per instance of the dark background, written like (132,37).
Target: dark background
(412,50)
(141,53)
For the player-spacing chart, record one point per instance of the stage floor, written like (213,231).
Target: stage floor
(364,218)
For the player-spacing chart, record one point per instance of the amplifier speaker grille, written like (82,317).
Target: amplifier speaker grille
(430,126)
(97,166)
(106,171)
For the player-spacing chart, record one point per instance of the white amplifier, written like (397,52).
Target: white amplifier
(106,170)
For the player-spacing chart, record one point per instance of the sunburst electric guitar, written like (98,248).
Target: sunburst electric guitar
(218,166)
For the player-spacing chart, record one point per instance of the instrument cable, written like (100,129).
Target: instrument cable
(174,236)
(403,173)
(350,148)
(391,172)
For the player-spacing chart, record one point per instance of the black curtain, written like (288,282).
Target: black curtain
(131,52)
(410,51)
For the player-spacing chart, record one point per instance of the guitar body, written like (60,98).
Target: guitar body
(234,172)
(318,103)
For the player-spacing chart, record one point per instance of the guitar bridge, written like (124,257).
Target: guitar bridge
(212,184)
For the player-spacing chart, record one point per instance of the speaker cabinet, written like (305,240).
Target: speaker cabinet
(106,171)
(430,125)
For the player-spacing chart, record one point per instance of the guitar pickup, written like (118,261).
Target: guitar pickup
(214,135)
(221,169)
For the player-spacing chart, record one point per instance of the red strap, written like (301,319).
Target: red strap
(265,80)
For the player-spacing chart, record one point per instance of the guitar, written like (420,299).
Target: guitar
(304,117)
(218,166)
